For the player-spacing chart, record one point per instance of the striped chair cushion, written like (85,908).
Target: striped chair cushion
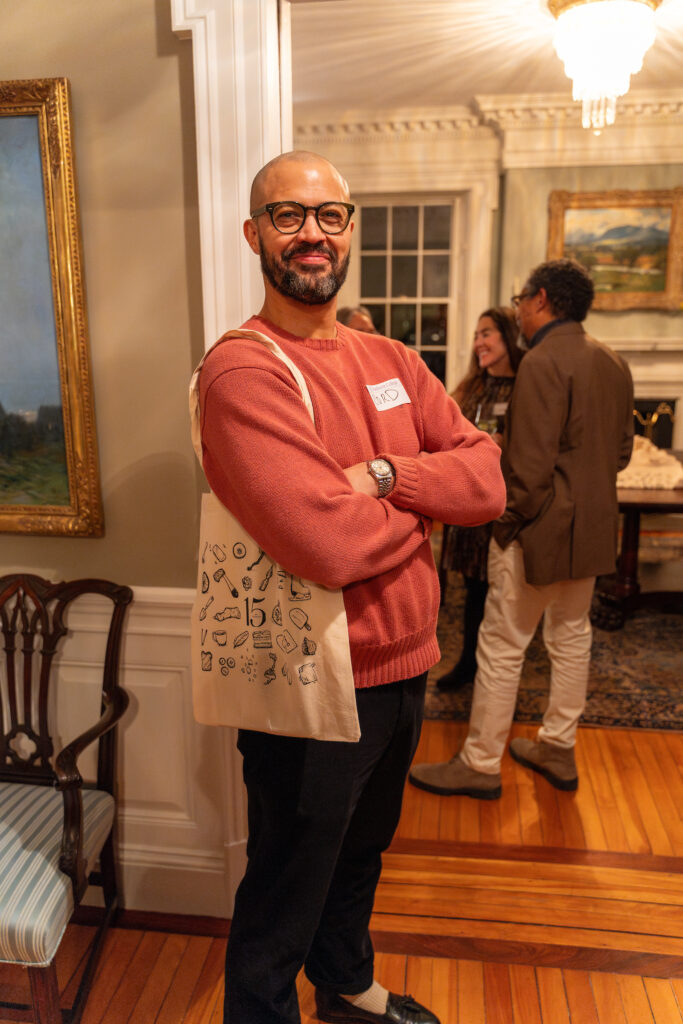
(36,899)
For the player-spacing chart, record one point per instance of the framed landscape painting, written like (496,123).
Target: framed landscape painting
(48,458)
(631,243)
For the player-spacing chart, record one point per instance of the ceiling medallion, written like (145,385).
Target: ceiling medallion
(601,44)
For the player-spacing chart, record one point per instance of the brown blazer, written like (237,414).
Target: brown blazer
(569,430)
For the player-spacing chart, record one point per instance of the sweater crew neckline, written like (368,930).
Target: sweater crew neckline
(319,344)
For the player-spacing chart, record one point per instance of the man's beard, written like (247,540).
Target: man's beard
(312,287)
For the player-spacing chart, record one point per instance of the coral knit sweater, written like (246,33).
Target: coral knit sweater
(281,476)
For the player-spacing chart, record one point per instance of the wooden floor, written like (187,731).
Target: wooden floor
(539,908)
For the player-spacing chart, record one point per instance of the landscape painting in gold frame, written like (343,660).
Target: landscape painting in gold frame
(631,243)
(49,481)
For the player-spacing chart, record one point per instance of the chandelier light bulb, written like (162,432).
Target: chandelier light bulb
(601,44)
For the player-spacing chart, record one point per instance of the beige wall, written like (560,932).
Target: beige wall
(133,127)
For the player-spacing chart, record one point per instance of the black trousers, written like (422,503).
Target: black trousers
(320,815)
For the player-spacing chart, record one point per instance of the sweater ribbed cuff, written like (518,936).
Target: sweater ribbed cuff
(404,493)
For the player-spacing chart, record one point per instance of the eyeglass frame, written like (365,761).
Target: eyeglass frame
(516,299)
(270,207)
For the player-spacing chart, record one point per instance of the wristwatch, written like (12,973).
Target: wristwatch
(384,474)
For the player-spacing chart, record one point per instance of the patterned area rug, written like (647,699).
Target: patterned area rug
(636,677)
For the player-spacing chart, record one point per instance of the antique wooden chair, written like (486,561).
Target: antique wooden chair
(53,826)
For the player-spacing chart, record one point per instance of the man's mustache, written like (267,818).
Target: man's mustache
(304,248)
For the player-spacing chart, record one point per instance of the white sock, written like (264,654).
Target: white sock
(374,999)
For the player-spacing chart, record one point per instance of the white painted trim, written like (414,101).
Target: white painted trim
(236,59)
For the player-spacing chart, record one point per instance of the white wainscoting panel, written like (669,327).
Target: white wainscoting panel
(182,829)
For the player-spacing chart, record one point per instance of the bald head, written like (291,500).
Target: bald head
(281,168)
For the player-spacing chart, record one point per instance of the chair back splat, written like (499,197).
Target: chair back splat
(54,827)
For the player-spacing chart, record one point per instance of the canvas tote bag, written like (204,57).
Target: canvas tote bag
(270,651)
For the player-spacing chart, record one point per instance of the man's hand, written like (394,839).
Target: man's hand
(361,480)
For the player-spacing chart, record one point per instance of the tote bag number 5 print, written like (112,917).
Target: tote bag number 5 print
(270,651)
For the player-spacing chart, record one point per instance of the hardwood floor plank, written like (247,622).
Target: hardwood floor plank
(159,980)
(420,979)
(189,969)
(587,803)
(497,994)
(73,950)
(391,971)
(608,999)
(655,771)
(549,812)
(209,987)
(133,981)
(467,810)
(119,949)
(526,1007)
(471,1001)
(538,854)
(665,1007)
(570,819)
(638,792)
(611,882)
(580,999)
(530,830)
(489,820)
(520,942)
(552,996)
(510,827)
(628,810)
(479,903)
(444,1001)
(601,782)
(634,1000)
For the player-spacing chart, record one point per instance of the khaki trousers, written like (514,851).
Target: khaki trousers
(512,613)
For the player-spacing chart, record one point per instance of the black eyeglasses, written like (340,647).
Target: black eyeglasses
(516,299)
(289,217)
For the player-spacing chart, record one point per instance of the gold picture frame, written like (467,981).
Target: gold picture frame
(631,242)
(49,481)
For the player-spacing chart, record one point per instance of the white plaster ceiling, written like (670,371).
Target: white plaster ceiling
(398,54)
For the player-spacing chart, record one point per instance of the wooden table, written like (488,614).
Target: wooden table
(621,594)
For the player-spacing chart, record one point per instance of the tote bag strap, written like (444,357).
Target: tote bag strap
(274,348)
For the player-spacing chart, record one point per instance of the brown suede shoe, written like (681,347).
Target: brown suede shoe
(454,778)
(556,764)
(400,1010)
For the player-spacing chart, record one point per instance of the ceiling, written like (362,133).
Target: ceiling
(398,54)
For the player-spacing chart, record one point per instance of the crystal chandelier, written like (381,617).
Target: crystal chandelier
(601,44)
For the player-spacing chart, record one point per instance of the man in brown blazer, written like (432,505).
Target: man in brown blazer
(569,430)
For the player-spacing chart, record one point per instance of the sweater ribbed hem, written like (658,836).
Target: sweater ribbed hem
(400,659)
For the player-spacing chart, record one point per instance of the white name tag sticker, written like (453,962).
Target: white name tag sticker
(388,394)
(500,408)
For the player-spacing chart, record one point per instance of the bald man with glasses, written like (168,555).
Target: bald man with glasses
(346,502)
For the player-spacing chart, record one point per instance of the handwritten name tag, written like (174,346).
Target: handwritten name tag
(388,394)
(500,408)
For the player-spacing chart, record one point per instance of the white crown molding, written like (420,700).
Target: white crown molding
(531,130)
(531,110)
(545,130)
(377,125)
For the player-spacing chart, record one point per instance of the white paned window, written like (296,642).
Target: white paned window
(407,273)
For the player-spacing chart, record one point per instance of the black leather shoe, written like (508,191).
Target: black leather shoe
(400,1010)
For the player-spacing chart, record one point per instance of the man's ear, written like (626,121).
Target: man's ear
(251,235)
(541,297)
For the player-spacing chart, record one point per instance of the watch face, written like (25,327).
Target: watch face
(381,466)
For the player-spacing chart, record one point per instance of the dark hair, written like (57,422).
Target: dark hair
(504,319)
(346,312)
(568,286)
